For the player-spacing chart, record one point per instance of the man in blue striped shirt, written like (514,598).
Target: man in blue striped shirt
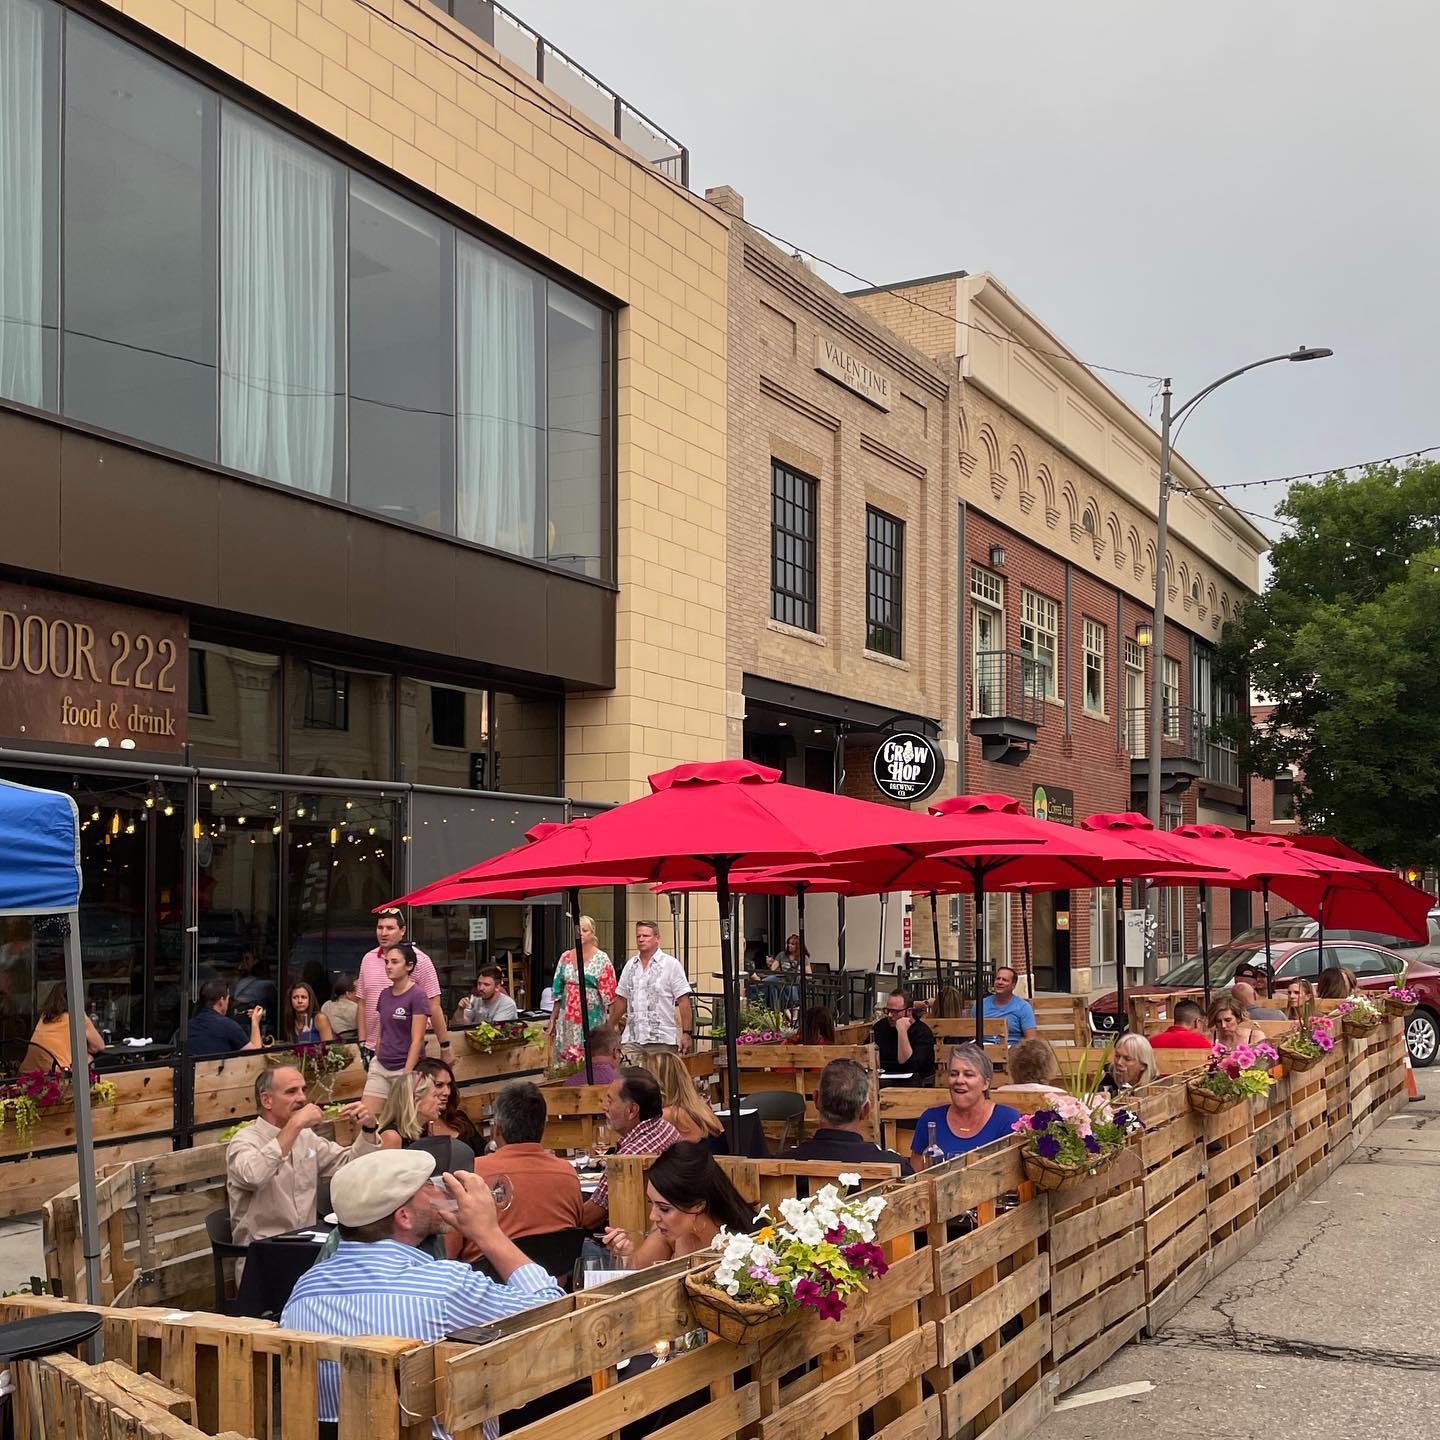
(379,1283)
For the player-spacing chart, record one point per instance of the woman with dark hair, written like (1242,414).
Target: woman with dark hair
(818,1027)
(1336,983)
(50,1044)
(452,1120)
(302,1022)
(691,1201)
(408,1123)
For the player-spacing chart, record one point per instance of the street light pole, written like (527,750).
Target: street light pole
(1156,726)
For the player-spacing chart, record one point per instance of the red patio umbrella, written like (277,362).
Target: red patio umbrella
(701,821)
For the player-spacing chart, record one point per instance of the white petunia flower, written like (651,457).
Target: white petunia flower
(849,1177)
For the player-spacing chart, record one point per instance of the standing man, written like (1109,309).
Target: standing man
(373,982)
(274,1166)
(652,989)
(487,1004)
(905,1045)
(1017,1012)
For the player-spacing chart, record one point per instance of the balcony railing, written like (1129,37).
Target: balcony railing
(1009,684)
(1182,737)
(534,54)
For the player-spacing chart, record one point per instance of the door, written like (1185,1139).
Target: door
(987,639)
(1050,940)
(1135,698)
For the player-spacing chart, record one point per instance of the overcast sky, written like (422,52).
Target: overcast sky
(1172,188)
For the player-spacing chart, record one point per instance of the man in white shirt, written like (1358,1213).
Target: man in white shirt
(373,982)
(652,993)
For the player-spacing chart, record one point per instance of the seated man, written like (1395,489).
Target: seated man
(379,1283)
(842,1099)
(635,1109)
(1245,994)
(211,1031)
(1184,1034)
(487,1003)
(604,1057)
(906,1045)
(1017,1013)
(273,1167)
(545,1188)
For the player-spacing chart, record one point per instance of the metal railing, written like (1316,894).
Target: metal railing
(1183,736)
(1009,684)
(536,56)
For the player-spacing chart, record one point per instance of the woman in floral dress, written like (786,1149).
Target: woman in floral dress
(567,1039)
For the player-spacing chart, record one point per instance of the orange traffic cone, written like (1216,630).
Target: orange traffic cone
(1412,1095)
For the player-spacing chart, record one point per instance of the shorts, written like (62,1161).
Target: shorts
(632,1048)
(379,1081)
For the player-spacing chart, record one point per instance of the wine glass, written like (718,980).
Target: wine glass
(503,1192)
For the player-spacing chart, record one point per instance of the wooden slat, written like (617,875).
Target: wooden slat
(959,1261)
(964,1329)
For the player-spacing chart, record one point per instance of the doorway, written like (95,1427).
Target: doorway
(1050,940)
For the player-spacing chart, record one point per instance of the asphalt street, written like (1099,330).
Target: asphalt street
(1329,1325)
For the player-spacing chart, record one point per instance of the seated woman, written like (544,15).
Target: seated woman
(971,1119)
(1336,983)
(50,1044)
(302,1021)
(685,1108)
(1230,1025)
(407,1121)
(1299,995)
(949,1005)
(453,1120)
(691,1201)
(1132,1064)
(818,1027)
(1031,1065)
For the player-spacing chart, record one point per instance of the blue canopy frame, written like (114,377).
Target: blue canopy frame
(40,875)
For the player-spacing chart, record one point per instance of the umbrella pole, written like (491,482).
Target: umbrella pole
(1320,939)
(1205,940)
(1122,1020)
(579,955)
(1025,946)
(880,944)
(84,1132)
(980,958)
(732,1008)
(935,928)
(1265,903)
(800,927)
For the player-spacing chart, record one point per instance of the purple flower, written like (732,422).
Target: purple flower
(831,1306)
(1048,1146)
(1092,1144)
(835,1236)
(1124,1119)
(865,1256)
(807,1292)
(1041,1118)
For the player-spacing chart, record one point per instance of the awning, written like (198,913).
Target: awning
(39,851)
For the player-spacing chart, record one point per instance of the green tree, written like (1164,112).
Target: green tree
(1346,639)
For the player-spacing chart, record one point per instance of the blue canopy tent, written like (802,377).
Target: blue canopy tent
(40,875)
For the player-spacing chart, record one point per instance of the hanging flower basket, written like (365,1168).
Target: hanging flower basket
(1358,1016)
(1207,1102)
(1046,1174)
(1399,1009)
(487,1038)
(742,1322)
(1299,1060)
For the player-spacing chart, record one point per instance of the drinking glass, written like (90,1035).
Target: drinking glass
(503,1192)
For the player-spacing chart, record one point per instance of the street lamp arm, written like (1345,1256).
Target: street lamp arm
(1199,395)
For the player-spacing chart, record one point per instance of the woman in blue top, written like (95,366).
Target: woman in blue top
(971,1119)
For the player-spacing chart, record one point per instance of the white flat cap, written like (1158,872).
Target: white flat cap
(373,1186)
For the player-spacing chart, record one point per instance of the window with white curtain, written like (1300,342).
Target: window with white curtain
(500,390)
(1094,667)
(282,366)
(1039,639)
(29,202)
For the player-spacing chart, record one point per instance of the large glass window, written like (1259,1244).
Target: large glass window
(1094,667)
(793,533)
(282,275)
(444,735)
(340,721)
(234,706)
(884,582)
(402,359)
(501,398)
(579,522)
(1039,638)
(1170,697)
(140,251)
(29,203)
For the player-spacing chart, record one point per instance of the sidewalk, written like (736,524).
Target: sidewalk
(21,1251)
(1327,1326)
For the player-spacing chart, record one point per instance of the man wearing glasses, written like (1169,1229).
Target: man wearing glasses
(906,1045)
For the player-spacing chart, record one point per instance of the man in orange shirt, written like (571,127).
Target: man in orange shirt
(545,1187)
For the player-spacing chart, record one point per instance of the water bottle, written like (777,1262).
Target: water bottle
(934,1155)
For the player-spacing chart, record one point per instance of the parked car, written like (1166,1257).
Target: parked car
(1376,967)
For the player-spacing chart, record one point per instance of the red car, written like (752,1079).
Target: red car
(1377,968)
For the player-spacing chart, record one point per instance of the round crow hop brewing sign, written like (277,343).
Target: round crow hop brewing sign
(908,767)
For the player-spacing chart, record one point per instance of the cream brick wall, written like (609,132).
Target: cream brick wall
(415,91)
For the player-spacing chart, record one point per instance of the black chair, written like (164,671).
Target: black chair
(556,1251)
(222,1248)
(18,1056)
(778,1105)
